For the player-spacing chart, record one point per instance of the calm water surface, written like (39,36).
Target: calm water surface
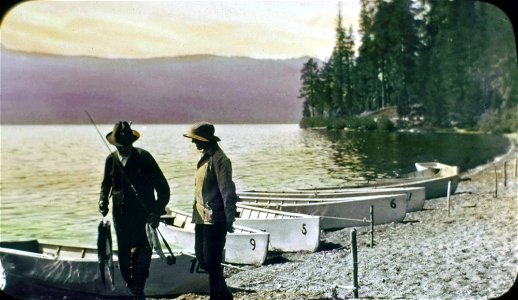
(51,175)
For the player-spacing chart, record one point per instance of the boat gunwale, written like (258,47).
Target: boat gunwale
(326,200)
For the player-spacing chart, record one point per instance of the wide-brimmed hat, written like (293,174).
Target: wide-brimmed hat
(202,131)
(122,134)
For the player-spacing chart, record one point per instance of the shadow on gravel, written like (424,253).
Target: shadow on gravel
(326,246)
(275,258)
(410,221)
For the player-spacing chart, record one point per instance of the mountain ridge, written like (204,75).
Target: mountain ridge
(52,89)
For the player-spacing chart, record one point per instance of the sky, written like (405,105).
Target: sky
(146,29)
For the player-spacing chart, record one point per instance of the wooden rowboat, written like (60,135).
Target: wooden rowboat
(289,232)
(247,246)
(415,195)
(340,212)
(31,268)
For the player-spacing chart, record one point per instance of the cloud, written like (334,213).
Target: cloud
(136,29)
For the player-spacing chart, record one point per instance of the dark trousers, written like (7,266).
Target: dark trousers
(208,246)
(134,259)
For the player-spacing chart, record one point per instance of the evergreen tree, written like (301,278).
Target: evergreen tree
(338,62)
(309,89)
(368,91)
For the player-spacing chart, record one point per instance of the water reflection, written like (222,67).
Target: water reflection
(369,155)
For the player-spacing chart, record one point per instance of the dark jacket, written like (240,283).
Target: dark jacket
(215,192)
(142,171)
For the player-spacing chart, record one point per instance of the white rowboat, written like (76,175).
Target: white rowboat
(415,195)
(30,266)
(247,246)
(434,177)
(341,212)
(289,232)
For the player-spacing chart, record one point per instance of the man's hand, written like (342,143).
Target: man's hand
(230,227)
(154,220)
(103,209)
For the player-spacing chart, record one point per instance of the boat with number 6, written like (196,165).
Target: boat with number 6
(339,212)
(415,195)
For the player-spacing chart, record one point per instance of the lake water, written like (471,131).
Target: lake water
(51,175)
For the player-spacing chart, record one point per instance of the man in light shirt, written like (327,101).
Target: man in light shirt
(214,206)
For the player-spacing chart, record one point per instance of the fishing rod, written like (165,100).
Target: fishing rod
(170,259)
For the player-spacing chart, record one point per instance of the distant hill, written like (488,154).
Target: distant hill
(41,89)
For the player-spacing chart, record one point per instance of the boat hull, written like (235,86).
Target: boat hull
(289,232)
(27,272)
(415,195)
(347,212)
(434,177)
(245,246)
(435,187)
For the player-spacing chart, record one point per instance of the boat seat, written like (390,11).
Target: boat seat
(179,221)
(52,250)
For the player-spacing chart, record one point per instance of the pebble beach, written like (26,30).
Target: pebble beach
(469,251)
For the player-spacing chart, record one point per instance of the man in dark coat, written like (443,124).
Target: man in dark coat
(131,177)
(214,207)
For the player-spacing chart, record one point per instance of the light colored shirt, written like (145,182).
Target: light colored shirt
(214,192)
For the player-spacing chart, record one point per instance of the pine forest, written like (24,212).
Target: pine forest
(435,63)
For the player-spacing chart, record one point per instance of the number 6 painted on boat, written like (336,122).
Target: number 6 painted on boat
(392,203)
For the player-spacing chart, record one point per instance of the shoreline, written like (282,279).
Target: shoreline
(470,254)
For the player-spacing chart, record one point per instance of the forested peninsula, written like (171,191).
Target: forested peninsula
(434,63)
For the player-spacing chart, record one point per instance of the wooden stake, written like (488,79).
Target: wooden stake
(448,197)
(496,184)
(372,226)
(355,262)
(505,173)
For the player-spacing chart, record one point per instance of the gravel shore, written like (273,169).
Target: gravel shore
(470,254)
